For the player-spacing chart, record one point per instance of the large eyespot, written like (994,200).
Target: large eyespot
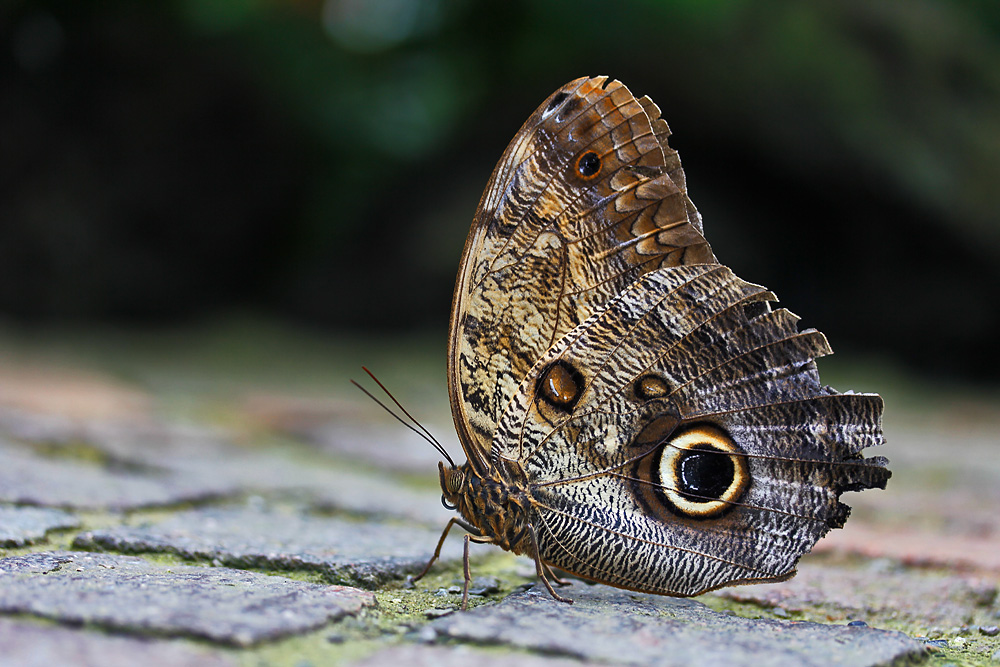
(588,165)
(560,385)
(703,472)
(650,386)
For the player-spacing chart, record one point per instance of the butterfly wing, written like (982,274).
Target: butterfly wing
(680,440)
(587,197)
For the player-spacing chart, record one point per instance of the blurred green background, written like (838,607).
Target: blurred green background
(318,162)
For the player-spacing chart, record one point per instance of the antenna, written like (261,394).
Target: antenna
(419,429)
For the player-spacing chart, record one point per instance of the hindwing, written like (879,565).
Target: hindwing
(679,439)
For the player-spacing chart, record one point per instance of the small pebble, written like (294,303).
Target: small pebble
(427,634)
(335,639)
(996,656)
(454,590)
(438,612)
(989,630)
(937,643)
(858,624)
(780,612)
(959,642)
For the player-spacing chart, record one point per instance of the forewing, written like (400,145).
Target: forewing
(587,198)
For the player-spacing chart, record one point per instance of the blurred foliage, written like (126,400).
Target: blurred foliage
(321,159)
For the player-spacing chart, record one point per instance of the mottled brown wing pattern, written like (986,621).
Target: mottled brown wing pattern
(632,411)
(587,198)
(686,371)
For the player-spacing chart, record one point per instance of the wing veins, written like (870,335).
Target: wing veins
(634,538)
(606,359)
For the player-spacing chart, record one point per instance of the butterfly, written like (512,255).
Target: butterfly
(631,411)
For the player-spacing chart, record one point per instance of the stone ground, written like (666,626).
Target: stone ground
(161,507)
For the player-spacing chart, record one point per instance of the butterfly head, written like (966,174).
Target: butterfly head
(452,479)
(452,484)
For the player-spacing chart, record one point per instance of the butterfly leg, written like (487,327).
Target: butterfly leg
(465,565)
(437,552)
(552,575)
(541,574)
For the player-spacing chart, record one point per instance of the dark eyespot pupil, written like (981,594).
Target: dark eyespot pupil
(704,474)
(589,164)
(561,385)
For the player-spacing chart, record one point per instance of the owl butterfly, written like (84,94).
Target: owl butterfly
(631,411)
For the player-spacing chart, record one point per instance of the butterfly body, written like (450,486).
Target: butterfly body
(492,505)
(631,411)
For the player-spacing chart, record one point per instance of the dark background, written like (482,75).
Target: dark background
(319,162)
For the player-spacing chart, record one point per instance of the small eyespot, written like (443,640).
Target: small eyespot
(650,386)
(703,472)
(560,385)
(588,165)
(554,103)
